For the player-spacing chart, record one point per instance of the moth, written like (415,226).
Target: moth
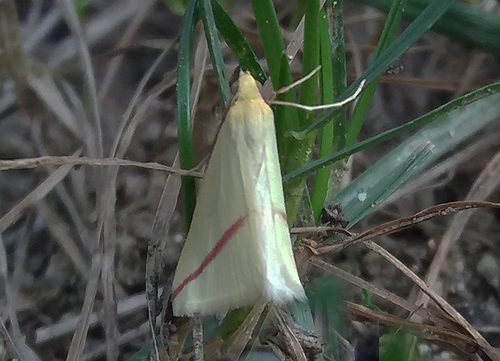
(238,249)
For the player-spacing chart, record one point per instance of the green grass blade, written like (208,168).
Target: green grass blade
(270,33)
(339,73)
(365,100)
(399,345)
(286,118)
(309,89)
(332,84)
(184,131)
(411,34)
(81,7)
(464,23)
(207,17)
(413,155)
(237,42)
(433,116)
(300,151)
(326,295)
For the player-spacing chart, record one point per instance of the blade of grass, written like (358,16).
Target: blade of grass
(286,118)
(81,7)
(433,116)
(178,7)
(411,34)
(237,42)
(184,131)
(326,295)
(270,32)
(467,24)
(386,38)
(301,150)
(339,72)
(309,89)
(413,155)
(207,17)
(298,203)
(332,83)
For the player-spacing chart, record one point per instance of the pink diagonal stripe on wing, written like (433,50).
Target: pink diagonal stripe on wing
(221,243)
(282,214)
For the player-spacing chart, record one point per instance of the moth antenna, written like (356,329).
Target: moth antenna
(311,108)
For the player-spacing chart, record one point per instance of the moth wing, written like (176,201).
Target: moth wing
(238,249)
(281,281)
(233,273)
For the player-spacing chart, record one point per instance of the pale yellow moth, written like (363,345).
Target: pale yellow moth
(238,249)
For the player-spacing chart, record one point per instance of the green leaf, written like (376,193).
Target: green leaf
(270,33)
(232,321)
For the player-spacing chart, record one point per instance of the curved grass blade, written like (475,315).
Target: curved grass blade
(207,17)
(365,100)
(411,34)
(464,23)
(237,42)
(433,116)
(413,155)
